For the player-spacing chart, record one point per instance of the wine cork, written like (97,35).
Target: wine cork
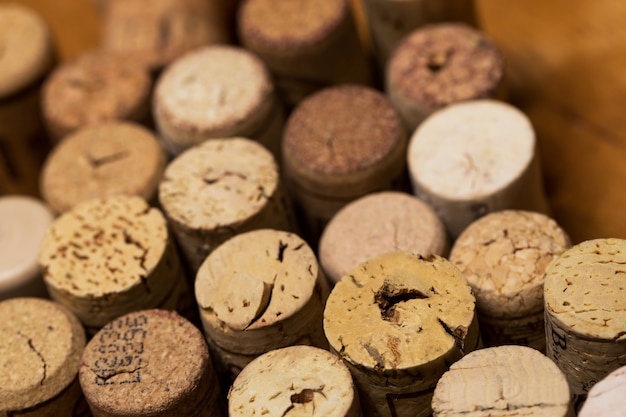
(93,88)
(502,381)
(103,160)
(259,291)
(376,224)
(586,312)
(504,256)
(307,45)
(24,222)
(340,144)
(301,380)
(40,347)
(217,92)
(607,397)
(398,321)
(474,158)
(150,363)
(27,54)
(439,65)
(110,256)
(218,189)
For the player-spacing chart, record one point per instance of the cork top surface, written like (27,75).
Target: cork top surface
(296,380)
(219,183)
(584,289)
(103,246)
(503,381)
(256,279)
(504,255)
(376,224)
(102,160)
(444,63)
(26,50)
(40,347)
(470,150)
(399,311)
(144,363)
(607,397)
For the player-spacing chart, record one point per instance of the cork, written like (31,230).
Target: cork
(586,312)
(27,55)
(502,381)
(150,363)
(398,321)
(216,92)
(441,64)
(259,291)
(103,160)
(378,223)
(306,45)
(504,256)
(606,398)
(474,158)
(296,380)
(40,347)
(24,221)
(109,256)
(221,188)
(340,144)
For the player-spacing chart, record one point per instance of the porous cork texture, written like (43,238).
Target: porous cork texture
(398,321)
(296,380)
(259,291)
(503,381)
(103,160)
(376,224)
(607,398)
(441,64)
(40,347)
(149,363)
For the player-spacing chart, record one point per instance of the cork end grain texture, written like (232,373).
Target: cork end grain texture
(607,397)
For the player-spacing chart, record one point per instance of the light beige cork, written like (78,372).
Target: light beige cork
(398,321)
(218,189)
(607,398)
(378,223)
(40,347)
(473,158)
(150,363)
(259,291)
(107,257)
(216,92)
(294,381)
(503,381)
(504,256)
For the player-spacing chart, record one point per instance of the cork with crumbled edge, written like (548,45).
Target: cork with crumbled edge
(398,321)
(502,381)
(40,347)
(606,398)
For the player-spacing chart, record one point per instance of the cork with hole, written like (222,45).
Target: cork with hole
(607,398)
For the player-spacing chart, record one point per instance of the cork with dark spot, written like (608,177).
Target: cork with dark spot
(441,64)
(40,347)
(607,398)
(150,363)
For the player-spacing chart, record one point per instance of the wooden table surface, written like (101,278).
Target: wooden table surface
(566,62)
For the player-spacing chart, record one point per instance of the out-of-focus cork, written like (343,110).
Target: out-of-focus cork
(150,363)
(40,347)
(398,321)
(503,381)
(376,224)
(607,398)
(504,256)
(100,161)
(296,380)
(259,291)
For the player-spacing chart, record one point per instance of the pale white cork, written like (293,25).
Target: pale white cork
(607,398)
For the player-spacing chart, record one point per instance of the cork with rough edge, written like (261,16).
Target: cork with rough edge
(398,321)
(296,380)
(504,256)
(376,224)
(150,363)
(607,398)
(502,381)
(100,161)
(40,347)
(259,291)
